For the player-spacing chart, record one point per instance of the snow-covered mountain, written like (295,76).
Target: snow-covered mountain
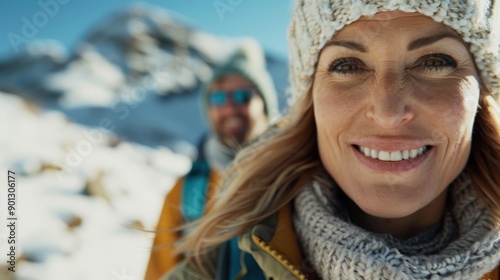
(97,136)
(134,68)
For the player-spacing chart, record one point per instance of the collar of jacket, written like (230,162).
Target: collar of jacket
(275,246)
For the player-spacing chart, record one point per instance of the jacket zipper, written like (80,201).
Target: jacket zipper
(279,257)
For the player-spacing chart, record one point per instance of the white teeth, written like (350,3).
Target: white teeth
(392,156)
(406,154)
(385,156)
(413,153)
(396,156)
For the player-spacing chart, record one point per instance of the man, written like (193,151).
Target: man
(239,101)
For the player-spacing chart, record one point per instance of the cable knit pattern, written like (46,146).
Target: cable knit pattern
(465,246)
(314,22)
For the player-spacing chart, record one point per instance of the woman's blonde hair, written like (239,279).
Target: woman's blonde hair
(484,160)
(263,178)
(270,173)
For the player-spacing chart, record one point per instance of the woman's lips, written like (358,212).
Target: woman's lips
(397,161)
(397,155)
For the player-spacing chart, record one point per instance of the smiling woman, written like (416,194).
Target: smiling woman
(383,91)
(387,166)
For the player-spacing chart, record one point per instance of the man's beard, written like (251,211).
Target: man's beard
(234,140)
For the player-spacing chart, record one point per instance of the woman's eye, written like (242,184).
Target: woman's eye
(437,62)
(347,65)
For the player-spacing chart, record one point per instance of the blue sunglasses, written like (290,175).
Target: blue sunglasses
(240,96)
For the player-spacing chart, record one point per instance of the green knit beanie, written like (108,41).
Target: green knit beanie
(249,62)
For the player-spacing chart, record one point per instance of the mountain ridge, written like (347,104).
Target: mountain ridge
(140,57)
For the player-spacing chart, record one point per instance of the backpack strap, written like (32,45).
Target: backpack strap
(194,191)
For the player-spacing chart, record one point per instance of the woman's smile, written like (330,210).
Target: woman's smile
(392,161)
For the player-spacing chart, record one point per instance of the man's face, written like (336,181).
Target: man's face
(236,110)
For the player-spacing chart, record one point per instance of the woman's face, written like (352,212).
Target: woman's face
(395,97)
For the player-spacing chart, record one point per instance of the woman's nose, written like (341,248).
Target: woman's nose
(390,102)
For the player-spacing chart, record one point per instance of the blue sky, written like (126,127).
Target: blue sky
(264,20)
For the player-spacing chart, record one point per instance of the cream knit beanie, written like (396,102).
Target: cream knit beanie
(314,22)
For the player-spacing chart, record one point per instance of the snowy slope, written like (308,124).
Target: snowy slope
(107,129)
(81,192)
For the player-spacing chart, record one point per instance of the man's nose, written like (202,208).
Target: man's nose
(229,107)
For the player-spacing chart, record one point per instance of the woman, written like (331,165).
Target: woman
(388,166)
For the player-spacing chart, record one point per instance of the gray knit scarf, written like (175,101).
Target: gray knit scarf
(217,154)
(464,246)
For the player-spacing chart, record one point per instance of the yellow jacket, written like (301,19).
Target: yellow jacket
(162,258)
(275,246)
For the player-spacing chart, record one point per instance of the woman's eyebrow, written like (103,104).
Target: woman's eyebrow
(425,41)
(347,44)
(415,44)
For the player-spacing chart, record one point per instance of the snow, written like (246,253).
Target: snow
(91,80)
(108,129)
(81,219)
(215,49)
(47,47)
